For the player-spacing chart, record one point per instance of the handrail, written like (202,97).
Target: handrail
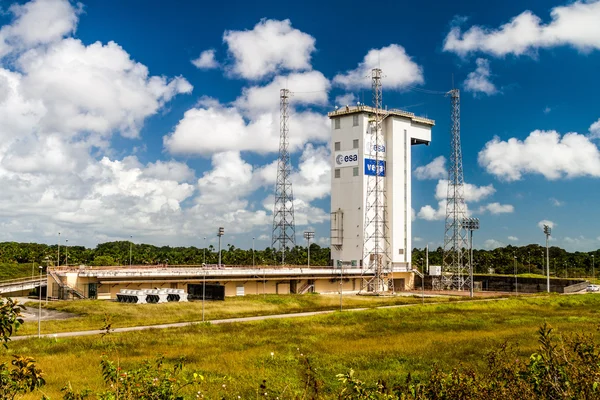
(23,280)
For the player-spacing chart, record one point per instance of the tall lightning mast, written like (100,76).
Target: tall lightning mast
(376,263)
(454,271)
(284,228)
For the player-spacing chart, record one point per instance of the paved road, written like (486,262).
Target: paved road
(225,321)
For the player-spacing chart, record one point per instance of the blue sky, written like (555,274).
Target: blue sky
(145,120)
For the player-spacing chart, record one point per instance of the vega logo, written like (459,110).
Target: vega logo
(374,168)
(346,158)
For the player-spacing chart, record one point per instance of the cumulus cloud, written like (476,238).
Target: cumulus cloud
(542,152)
(575,25)
(491,244)
(399,70)
(497,208)
(206,60)
(436,169)
(38,22)
(513,238)
(271,46)
(595,130)
(546,222)
(556,202)
(472,194)
(478,81)
(345,99)
(217,128)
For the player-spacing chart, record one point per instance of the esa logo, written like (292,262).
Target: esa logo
(378,149)
(341,159)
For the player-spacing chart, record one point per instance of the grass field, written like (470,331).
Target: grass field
(91,313)
(377,344)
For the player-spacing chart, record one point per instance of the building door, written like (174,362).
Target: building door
(93,290)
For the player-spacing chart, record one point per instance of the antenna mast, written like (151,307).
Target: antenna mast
(284,227)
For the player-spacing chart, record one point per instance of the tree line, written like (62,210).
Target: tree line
(125,253)
(524,260)
(503,260)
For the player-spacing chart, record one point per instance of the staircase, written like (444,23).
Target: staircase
(65,289)
(305,288)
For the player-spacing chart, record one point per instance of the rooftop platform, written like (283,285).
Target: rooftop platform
(368,109)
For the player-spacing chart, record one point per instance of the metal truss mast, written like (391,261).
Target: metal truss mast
(454,271)
(376,262)
(284,228)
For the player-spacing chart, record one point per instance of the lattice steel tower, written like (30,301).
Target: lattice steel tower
(454,271)
(376,276)
(284,227)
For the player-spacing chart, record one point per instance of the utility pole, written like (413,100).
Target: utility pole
(593,270)
(204,252)
(516,284)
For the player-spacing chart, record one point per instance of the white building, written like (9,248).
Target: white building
(353,160)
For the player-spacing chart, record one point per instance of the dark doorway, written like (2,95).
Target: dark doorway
(213,292)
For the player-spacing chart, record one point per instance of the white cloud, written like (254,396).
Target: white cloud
(417,239)
(543,152)
(346,99)
(38,22)
(206,60)
(472,193)
(547,110)
(399,70)
(556,202)
(513,238)
(308,88)
(595,130)
(575,25)
(497,208)
(491,244)
(269,47)
(436,169)
(546,222)
(478,81)
(213,129)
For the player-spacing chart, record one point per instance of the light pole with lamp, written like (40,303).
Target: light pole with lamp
(547,232)
(471,224)
(66,252)
(341,283)
(130,248)
(204,253)
(58,252)
(308,235)
(203,290)
(253,251)
(221,233)
(593,270)
(40,306)
(516,284)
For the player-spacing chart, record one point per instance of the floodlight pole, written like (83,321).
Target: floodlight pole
(547,232)
(471,224)
(593,270)
(516,283)
(221,233)
(130,248)
(253,251)
(204,252)
(203,290)
(40,306)
(308,235)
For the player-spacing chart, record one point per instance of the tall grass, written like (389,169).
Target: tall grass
(90,314)
(378,344)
